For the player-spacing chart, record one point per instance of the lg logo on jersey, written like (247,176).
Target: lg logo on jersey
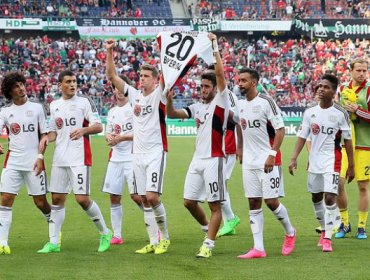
(251,124)
(15,128)
(316,129)
(146,110)
(125,127)
(69,122)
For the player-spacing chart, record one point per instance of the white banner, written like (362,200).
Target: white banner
(127,31)
(264,25)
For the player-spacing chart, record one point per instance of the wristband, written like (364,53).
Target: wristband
(40,156)
(215,46)
(272,153)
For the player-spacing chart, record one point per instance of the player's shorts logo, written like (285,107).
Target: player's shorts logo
(117,129)
(59,123)
(315,128)
(15,128)
(243,123)
(137,110)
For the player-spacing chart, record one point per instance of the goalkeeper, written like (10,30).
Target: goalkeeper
(355,98)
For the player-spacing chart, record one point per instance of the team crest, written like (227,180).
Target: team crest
(59,123)
(15,128)
(243,123)
(315,129)
(29,113)
(72,107)
(117,129)
(137,110)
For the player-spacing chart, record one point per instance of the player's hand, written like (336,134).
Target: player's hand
(350,174)
(44,142)
(269,164)
(109,137)
(1,149)
(292,166)
(170,95)
(212,36)
(239,155)
(38,166)
(351,107)
(110,44)
(77,134)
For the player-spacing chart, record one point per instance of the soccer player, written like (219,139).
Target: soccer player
(25,121)
(119,169)
(325,123)
(263,132)
(72,119)
(230,220)
(359,108)
(205,179)
(149,145)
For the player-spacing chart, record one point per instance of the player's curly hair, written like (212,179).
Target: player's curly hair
(332,79)
(10,81)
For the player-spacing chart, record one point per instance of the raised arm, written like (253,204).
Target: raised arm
(219,68)
(111,69)
(171,111)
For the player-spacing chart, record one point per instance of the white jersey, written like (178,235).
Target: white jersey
(230,138)
(259,118)
(325,127)
(24,124)
(119,121)
(149,124)
(211,122)
(65,117)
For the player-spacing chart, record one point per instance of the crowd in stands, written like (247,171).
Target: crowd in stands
(289,69)
(282,9)
(228,9)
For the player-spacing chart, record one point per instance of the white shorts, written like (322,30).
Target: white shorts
(230,161)
(257,183)
(149,172)
(327,182)
(116,176)
(205,180)
(12,181)
(65,179)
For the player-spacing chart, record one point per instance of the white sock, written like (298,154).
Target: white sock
(210,244)
(151,225)
(57,216)
(319,208)
(96,216)
(116,219)
(338,221)
(330,214)
(227,212)
(282,215)
(256,222)
(161,219)
(6,215)
(204,228)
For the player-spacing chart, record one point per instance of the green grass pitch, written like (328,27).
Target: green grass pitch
(79,258)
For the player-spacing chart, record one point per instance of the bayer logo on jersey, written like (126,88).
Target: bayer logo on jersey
(137,110)
(117,129)
(59,123)
(15,128)
(315,129)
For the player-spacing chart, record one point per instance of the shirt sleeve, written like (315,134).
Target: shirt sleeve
(42,119)
(51,123)
(109,127)
(304,129)
(91,113)
(2,121)
(345,126)
(131,93)
(274,115)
